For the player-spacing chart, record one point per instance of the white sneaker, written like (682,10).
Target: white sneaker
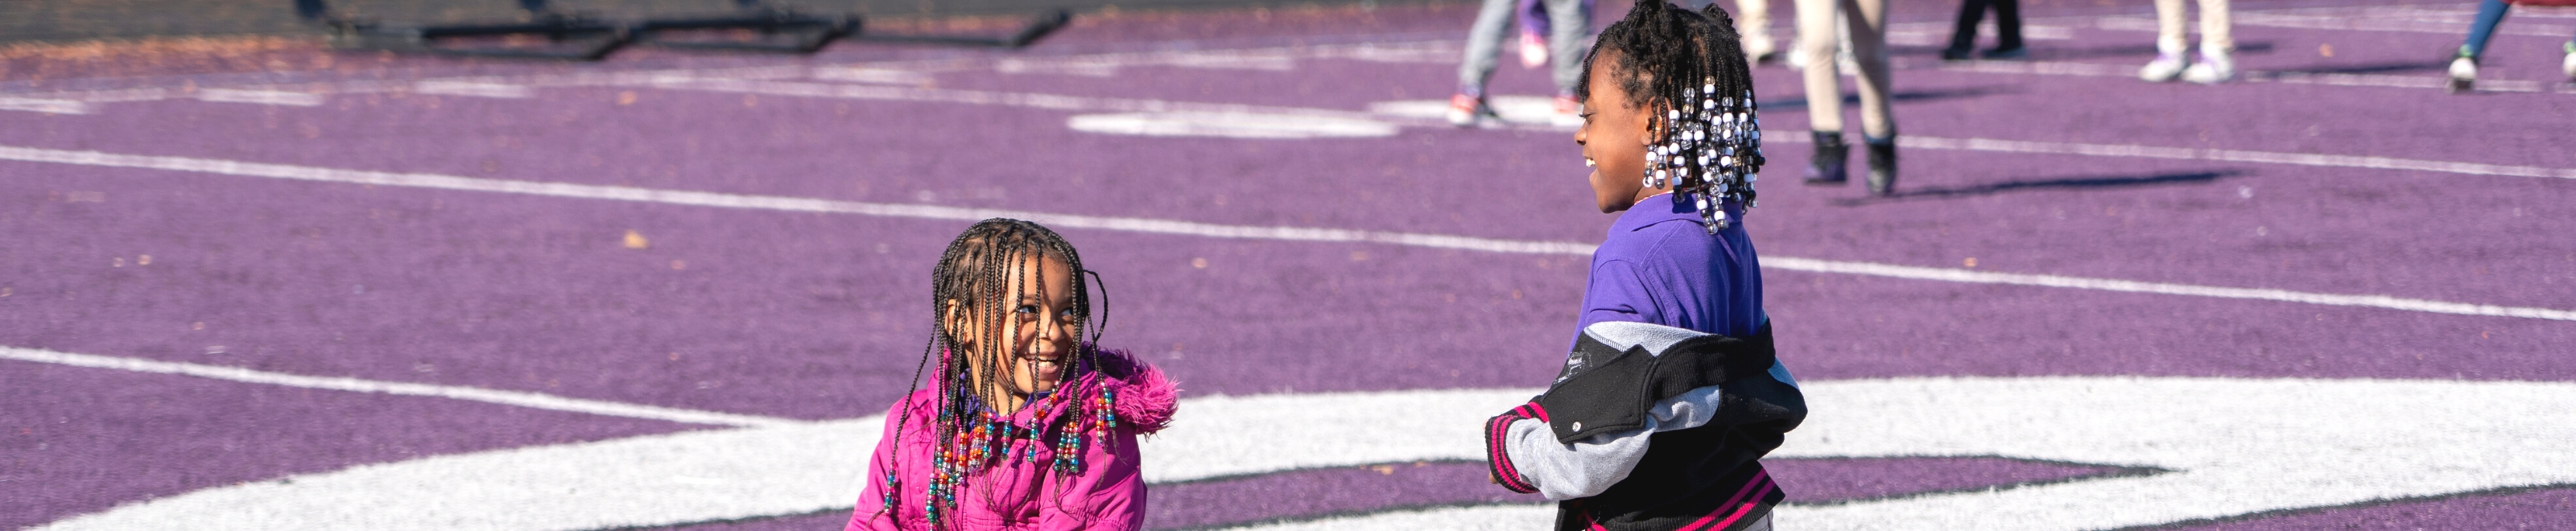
(1757,49)
(2569,65)
(2165,68)
(2464,75)
(2213,68)
(1533,50)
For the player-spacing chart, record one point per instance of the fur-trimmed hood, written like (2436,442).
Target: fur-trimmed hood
(1144,397)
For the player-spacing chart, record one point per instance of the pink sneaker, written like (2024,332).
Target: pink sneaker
(1465,110)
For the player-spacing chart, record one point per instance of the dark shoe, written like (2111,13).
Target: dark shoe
(2015,53)
(1954,54)
(1882,165)
(1826,169)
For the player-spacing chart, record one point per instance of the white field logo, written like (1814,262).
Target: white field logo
(2234,446)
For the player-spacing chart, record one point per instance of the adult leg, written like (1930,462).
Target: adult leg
(2007,30)
(2217,29)
(1963,34)
(1753,23)
(2490,13)
(2464,68)
(1534,22)
(2170,44)
(1484,45)
(1816,42)
(1569,22)
(1867,20)
(2217,47)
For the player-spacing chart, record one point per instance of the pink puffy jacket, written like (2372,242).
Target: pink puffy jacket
(1108,494)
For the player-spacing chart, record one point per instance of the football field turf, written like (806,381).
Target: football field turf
(316,289)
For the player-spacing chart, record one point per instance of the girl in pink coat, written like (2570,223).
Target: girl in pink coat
(1025,424)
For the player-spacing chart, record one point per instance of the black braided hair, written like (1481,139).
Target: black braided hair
(1687,70)
(969,286)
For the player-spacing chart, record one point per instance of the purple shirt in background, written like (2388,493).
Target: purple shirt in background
(1660,266)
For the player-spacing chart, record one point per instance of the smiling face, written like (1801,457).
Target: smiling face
(1034,324)
(1614,137)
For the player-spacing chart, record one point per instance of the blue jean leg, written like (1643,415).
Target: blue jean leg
(2490,13)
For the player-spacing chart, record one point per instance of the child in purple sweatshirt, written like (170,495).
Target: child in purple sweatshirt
(1671,393)
(1026,425)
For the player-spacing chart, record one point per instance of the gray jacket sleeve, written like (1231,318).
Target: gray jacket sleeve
(1565,471)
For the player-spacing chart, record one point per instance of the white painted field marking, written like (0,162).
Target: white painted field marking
(1525,111)
(1938,33)
(2349,22)
(854,74)
(2057,68)
(1034,100)
(1213,230)
(2223,155)
(2131,286)
(1062,68)
(1104,65)
(632,482)
(1229,125)
(511,398)
(262,97)
(2236,446)
(48,106)
(479,89)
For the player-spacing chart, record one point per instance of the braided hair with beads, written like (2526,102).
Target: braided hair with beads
(1688,71)
(972,319)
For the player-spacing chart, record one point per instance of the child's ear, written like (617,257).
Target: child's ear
(1654,124)
(952,320)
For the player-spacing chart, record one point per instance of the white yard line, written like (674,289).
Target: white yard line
(261,97)
(2131,286)
(477,89)
(477,394)
(1212,230)
(2426,81)
(1060,102)
(2222,155)
(2346,22)
(49,106)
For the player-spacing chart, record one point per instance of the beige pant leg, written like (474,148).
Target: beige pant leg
(2170,17)
(1753,20)
(1868,25)
(1816,42)
(2215,27)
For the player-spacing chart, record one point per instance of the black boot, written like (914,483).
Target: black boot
(1826,169)
(1882,165)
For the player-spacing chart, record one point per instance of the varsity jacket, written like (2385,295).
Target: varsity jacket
(1651,427)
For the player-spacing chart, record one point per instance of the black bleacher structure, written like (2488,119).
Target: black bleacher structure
(754,26)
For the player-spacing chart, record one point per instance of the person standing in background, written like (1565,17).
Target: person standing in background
(2215,64)
(2464,69)
(1569,21)
(1753,23)
(1866,23)
(1963,37)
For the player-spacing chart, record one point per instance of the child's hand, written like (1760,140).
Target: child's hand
(1491,478)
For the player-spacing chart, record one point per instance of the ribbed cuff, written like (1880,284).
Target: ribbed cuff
(1498,461)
